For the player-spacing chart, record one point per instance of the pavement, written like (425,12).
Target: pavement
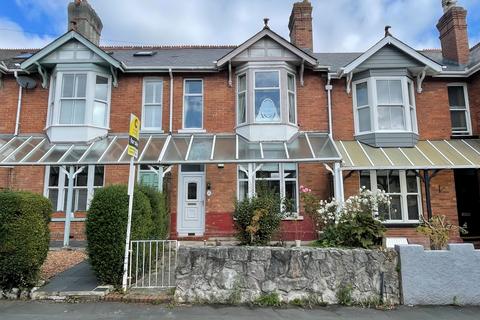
(78,278)
(15,310)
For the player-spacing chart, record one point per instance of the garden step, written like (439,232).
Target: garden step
(154,296)
(96,294)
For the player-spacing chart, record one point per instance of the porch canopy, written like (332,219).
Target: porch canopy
(167,149)
(426,155)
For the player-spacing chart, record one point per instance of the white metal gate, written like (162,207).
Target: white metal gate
(152,263)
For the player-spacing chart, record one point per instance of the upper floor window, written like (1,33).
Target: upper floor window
(459,109)
(152,104)
(267,96)
(403,187)
(242,99)
(384,104)
(193,104)
(292,99)
(81,98)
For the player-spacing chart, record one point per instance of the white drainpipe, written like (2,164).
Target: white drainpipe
(19,106)
(171,100)
(329,88)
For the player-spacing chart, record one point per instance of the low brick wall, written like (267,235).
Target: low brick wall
(440,277)
(242,274)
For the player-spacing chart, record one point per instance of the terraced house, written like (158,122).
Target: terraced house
(218,120)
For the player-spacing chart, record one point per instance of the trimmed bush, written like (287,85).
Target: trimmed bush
(258,219)
(106,229)
(24,238)
(160,212)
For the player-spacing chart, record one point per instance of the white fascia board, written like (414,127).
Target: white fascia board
(397,43)
(267,32)
(459,74)
(64,39)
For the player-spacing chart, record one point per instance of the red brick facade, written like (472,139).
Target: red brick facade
(219,117)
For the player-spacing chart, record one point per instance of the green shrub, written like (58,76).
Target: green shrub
(106,229)
(268,300)
(24,237)
(160,212)
(257,219)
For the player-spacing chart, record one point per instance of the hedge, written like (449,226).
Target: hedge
(24,238)
(106,229)
(160,211)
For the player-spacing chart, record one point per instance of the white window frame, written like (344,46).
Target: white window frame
(63,188)
(144,128)
(267,88)
(403,195)
(252,179)
(467,109)
(238,93)
(295,98)
(184,128)
(55,97)
(159,174)
(373,104)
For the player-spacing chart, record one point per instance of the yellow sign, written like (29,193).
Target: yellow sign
(134,135)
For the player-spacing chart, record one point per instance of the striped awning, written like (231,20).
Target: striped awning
(428,154)
(168,149)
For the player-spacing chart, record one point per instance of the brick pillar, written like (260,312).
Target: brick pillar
(453,35)
(300,25)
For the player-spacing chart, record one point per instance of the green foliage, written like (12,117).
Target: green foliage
(344,295)
(310,301)
(160,211)
(354,231)
(258,219)
(106,229)
(24,238)
(268,300)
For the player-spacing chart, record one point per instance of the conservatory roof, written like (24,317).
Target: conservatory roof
(427,154)
(167,149)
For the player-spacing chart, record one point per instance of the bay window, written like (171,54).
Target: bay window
(73,98)
(459,109)
(281,178)
(384,104)
(403,187)
(85,183)
(152,105)
(100,104)
(267,96)
(292,99)
(193,104)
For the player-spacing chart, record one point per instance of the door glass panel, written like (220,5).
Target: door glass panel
(192,191)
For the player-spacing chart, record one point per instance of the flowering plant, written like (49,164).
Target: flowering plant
(352,223)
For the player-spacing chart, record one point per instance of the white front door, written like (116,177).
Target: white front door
(191,218)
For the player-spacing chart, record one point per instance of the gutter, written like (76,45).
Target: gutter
(171,101)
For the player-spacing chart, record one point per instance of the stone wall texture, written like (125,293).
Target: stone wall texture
(440,277)
(223,274)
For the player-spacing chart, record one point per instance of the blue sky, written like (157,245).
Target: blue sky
(339,25)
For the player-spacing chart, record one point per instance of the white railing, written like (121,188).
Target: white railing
(152,263)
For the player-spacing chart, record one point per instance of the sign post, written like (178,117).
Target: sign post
(133,138)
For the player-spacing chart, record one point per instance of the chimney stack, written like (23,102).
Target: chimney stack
(300,25)
(83,19)
(453,32)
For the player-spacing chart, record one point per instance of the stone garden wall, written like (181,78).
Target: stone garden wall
(440,277)
(242,274)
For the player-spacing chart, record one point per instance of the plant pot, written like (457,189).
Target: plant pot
(298,243)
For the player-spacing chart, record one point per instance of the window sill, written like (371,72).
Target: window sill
(72,220)
(192,131)
(299,218)
(412,224)
(75,126)
(152,130)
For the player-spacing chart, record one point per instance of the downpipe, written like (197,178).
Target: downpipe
(19,106)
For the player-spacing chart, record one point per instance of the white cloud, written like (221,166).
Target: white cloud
(15,37)
(339,25)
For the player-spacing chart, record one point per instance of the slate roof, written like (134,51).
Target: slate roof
(206,56)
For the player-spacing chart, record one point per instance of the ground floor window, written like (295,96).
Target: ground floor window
(282,178)
(403,187)
(84,186)
(150,176)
